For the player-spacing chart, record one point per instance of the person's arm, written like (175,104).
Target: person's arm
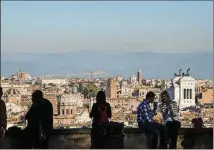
(155,108)
(145,113)
(50,116)
(193,123)
(164,109)
(26,115)
(109,111)
(201,122)
(174,109)
(29,111)
(92,113)
(3,110)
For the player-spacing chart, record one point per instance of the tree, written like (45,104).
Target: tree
(80,88)
(90,90)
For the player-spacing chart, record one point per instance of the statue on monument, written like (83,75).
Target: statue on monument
(175,74)
(180,72)
(188,72)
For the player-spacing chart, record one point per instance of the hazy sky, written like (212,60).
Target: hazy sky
(56,26)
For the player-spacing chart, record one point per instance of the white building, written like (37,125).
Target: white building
(83,117)
(13,108)
(182,90)
(55,81)
(119,78)
(133,80)
(126,90)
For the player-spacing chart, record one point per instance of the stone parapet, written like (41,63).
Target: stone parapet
(79,138)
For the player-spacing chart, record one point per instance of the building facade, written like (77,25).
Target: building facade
(182,90)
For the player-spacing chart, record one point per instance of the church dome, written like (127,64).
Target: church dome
(12,91)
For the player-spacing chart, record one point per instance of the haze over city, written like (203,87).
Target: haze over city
(111,36)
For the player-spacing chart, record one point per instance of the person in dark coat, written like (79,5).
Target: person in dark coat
(3,117)
(100,113)
(40,111)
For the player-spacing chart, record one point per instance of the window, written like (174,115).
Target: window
(187,93)
(190,93)
(71,111)
(67,111)
(63,111)
(184,94)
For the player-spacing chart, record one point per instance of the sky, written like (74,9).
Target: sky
(57,27)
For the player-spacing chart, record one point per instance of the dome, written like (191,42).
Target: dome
(12,91)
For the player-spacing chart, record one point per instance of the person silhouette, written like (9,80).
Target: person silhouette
(100,114)
(3,116)
(39,121)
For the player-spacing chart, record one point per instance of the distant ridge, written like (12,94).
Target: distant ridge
(153,65)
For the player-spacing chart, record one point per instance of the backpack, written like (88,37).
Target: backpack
(103,115)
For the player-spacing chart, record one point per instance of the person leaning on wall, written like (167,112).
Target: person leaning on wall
(3,117)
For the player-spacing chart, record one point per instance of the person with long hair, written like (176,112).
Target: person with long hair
(101,110)
(169,110)
(100,114)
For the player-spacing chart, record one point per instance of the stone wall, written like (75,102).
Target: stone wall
(134,139)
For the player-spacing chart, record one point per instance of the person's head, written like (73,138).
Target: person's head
(150,97)
(101,97)
(1,92)
(37,96)
(165,97)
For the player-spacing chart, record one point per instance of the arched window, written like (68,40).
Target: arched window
(67,112)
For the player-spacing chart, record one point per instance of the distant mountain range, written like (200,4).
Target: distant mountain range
(153,65)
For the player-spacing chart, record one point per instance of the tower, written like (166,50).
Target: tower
(139,77)
(111,90)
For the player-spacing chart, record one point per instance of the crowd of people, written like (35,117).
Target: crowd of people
(40,120)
